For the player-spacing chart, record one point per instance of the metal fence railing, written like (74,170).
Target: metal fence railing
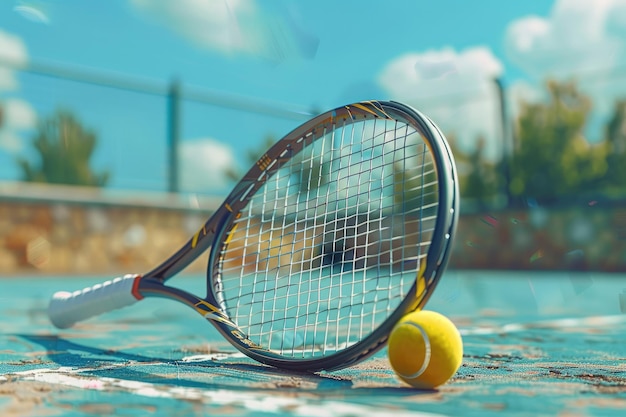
(148,131)
(139,122)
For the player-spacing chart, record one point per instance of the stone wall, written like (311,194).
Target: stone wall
(93,234)
(576,237)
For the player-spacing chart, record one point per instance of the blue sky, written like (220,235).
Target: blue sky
(439,56)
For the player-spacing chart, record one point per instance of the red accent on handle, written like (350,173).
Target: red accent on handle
(135,290)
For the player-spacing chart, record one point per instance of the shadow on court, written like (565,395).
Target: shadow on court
(117,364)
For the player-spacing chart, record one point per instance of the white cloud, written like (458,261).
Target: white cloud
(211,23)
(234,27)
(577,41)
(574,38)
(203,163)
(32,13)
(17,116)
(12,51)
(455,89)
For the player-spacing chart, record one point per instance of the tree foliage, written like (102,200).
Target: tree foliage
(615,142)
(552,159)
(482,179)
(64,148)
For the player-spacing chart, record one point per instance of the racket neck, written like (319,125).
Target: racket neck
(199,242)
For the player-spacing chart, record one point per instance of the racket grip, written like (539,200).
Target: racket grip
(68,308)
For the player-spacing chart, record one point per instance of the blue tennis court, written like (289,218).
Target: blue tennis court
(324,165)
(535,343)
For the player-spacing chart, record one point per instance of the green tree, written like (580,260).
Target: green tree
(414,184)
(480,179)
(615,140)
(481,183)
(552,158)
(64,148)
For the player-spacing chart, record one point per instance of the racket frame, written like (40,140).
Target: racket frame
(216,228)
(213,234)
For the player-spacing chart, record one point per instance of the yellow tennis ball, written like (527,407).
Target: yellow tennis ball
(425,349)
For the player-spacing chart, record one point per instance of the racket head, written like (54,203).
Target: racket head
(339,230)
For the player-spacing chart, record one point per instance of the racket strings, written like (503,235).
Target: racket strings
(332,242)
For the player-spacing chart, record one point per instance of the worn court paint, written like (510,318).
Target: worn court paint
(535,344)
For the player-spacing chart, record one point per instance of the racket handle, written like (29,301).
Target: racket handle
(68,308)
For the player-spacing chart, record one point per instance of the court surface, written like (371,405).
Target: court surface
(535,344)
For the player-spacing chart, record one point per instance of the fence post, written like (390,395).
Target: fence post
(507,146)
(173,135)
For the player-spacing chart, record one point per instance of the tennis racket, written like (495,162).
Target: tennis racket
(338,230)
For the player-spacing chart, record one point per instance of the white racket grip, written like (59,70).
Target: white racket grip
(68,308)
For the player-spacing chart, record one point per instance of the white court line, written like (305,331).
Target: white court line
(218,356)
(592,321)
(249,400)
